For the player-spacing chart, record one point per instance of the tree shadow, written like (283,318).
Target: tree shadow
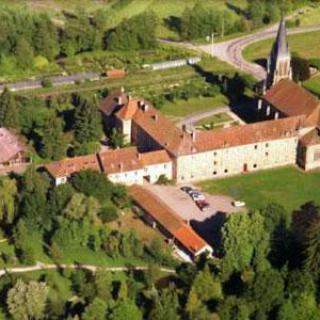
(234,88)
(262,62)
(173,23)
(237,10)
(210,229)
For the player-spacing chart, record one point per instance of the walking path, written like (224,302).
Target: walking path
(93,268)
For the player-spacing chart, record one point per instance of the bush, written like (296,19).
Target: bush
(46,83)
(108,213)
(163,180)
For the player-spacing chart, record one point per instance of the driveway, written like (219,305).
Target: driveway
(207,223)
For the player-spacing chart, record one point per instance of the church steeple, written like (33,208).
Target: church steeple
(279,61)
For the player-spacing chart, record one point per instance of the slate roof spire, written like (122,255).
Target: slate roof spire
(279,61)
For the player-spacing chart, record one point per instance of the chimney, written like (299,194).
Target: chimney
(139,156)
(141,103)
(193,135)
(119,100)
(122,89)
(155,117)
(121,166)
(184,127)
(145,107)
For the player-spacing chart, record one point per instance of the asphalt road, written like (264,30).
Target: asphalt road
(231,51)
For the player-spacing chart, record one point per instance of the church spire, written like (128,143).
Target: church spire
(279,62)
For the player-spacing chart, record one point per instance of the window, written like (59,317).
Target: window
(255,165)
(214,153)
(267,153)
(267,145)
(215,163)
(256,146)
(215,173)
(226,171)
(165,166)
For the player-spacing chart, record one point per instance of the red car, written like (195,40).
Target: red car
(203,205)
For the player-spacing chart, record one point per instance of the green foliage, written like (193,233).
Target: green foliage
(117,139)
(24,54)
(96,310)
(134,34)
(245,242)
(9,114)
(87,121)
(93,183)
(108,213)
(27,300)
(124,310)
(8,193)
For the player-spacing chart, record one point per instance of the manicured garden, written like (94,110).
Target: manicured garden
(288,186)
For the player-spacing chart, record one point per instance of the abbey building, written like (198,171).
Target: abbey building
(289,136)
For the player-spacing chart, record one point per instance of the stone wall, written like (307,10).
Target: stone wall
(236,160)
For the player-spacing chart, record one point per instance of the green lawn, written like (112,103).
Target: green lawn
(215,120)
(183,108)
(286,186)
(306,45)
(309,15)
(313,85)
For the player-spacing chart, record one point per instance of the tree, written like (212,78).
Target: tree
(117,139)
(196,310)
(93,183)
(87,121)
(52,142)
(8,193)
(103,283)
(312,245)
(124,310)
(24,54)
(45,38)
(245,242)
(9,114)
(206,287)
(96,310)
(27,300)
(166,307)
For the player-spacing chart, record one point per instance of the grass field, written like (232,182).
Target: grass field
(182,108)
(286,186)
(215,120)
(313,85)
(305,45)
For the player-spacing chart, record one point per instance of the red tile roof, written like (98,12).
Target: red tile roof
(120,160)
(128,111)
(10,145)
(247,134)
(162,130)
(291,99)
(168,219)
(311,138)
(67,167)
(111,103)
(155,157)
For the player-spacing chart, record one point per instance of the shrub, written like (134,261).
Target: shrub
(46,83)
(108,213)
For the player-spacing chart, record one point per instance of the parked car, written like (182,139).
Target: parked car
(238,204)
(186,189)
(203,205)
(198,197)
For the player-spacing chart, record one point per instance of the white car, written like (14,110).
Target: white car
(238,204)
(198,197)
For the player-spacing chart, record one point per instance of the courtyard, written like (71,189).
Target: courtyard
(206,223)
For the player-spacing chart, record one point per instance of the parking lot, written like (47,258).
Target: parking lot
(207,223)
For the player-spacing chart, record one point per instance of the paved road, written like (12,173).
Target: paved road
(93,268)
(231,51)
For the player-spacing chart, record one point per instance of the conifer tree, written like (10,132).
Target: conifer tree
(9,115)
(87,121)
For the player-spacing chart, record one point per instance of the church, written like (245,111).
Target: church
(289,136)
